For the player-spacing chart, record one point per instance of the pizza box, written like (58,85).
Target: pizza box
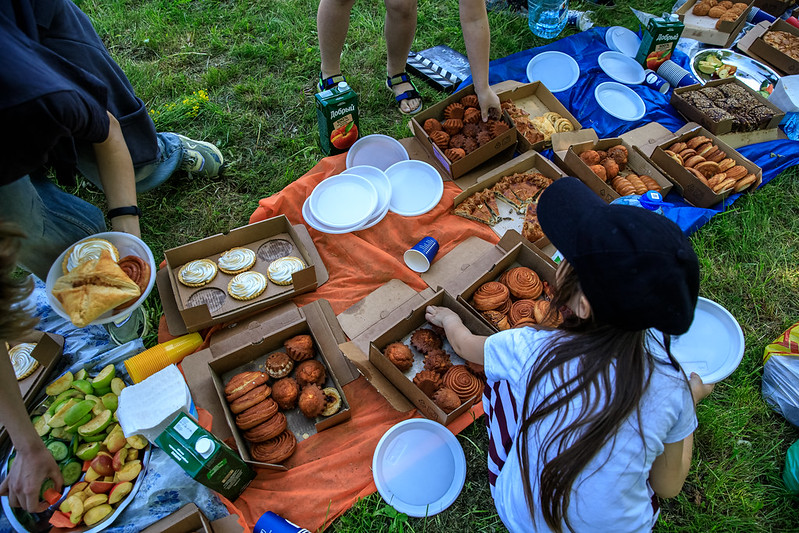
(48,350)
(246,345)
(694,191)
(703,28)
(189,519)
(723,127)
(770,55)
(535,99)
(569,147)
(510,218)
(458,168)
(189,309)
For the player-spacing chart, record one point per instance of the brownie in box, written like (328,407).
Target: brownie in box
(704,28)
(693,190)
(719,120)
(249,351)
(569,154)
(403,325)
(189,309)
(460,167)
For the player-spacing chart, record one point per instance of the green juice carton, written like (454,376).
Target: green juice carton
(337,116)
(658,41)
(205,458)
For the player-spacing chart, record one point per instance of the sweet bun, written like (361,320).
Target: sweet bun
(285,392)
(523,283)
(275,450)
(310,371)
(278,365)
(400,355)
(465,384)
(491,295)
(255,396)
(446,399)
(426,340)
(256,414)
(242,383)
(312,401)
(269,429)
(299,347)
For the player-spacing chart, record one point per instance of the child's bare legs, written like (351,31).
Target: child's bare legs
(332,23)
(399,31)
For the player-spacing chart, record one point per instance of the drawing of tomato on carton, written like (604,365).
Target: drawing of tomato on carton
(344,137)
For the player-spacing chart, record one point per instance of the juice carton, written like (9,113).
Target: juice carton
(337,115)
(658,42)
(204,457)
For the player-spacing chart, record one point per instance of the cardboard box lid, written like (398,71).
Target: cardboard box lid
(645,137)
(189,519)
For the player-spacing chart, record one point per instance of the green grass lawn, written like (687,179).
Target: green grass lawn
(254,61)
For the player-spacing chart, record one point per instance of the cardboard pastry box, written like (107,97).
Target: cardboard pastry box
(704,28)
(771,55)
(189,519)
(190,309)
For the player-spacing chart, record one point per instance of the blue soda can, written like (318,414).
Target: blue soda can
(272,523)
(652,80)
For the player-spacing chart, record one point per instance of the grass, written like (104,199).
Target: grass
(254,61)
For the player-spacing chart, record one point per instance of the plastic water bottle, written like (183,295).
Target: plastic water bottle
(581,19)
(547,18)
(651,200)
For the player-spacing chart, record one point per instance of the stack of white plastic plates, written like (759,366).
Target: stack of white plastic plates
(556,70)
(416,187)
(380,151)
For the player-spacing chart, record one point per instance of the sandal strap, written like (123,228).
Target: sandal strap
(402,77)
(328,83)
(407,95)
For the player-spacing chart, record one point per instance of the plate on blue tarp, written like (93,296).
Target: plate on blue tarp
(619,100)
(622,40)
(621,68)
(556,70)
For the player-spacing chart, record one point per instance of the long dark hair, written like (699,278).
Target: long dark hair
(595,348)
(14,319)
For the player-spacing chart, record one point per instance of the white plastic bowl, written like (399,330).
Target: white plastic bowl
(343,201)
(127,244)
(620,101)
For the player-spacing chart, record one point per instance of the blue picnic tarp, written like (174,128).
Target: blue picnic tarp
(773,156)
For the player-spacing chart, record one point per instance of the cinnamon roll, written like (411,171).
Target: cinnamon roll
(275,450)
(521,310)
(491,295)
(523,283)
(465,384)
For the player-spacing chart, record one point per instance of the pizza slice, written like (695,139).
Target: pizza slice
(502,190)
(481,206)
(528,186)
(531,229)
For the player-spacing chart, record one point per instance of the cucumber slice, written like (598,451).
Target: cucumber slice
(71,471)
(58,449)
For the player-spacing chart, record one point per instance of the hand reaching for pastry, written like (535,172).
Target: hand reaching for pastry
(489,103)
(438,316)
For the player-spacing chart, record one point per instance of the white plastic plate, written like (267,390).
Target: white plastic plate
(556,70)
(419,467)
(376,150)
(621,68)
(343,201)
(416,187)
(622,40)
(315,224)
(380,181)
(127,244)
(619,100)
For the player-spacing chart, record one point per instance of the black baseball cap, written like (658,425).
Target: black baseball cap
(636,267)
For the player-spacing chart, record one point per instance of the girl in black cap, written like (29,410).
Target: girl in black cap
(589,422)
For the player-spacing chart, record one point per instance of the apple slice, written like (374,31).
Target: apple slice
(129,471)
(117,385)
(133,453)
(95,514)
(119,459)
(96,424)
(137,441)
(115,440)
(94,501)
(101,487)
(80,486)
(61,384)
(119,491)
(103,464)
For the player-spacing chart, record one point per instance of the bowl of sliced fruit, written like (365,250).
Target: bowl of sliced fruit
(721,63)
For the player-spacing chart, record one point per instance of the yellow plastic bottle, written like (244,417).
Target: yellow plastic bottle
(160,356)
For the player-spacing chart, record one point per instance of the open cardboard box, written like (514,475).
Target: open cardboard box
(694,191)
(190,309)
(569,146)
(719,128)
(530,161)
(189,519)
(754,44)
(774,7)
(49,347)
(460,167)
(245,347)
(703,28)
(536,99)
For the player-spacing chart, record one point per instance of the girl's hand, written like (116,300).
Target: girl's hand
(489,103)
(439,315)
(699,390)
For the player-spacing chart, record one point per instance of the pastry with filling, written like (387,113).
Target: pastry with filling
(531,228)
(88,249)
(332,401)
(312,401)
(285,392)
(481,206)
(197,273)
(21,359)
(93,288)
(497,319)
(311,371)
(426,340)
(400,355)
(247,285)
(280,270)
(299,347)
(275,450)
(278,365)
(236,260)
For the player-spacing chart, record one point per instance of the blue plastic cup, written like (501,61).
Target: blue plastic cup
(273,523)
(421,255)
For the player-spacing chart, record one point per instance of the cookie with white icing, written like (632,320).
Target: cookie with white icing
(23,362)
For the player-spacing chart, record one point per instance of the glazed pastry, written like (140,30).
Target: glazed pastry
(197,273)
(446,399)
(491,295)
(437,361)
(247,285)
(521,310)
(426,340)
(400,355)
(88,249)
(275,450)
(651,184)
(310,371)
(543,315)
(236,260)
(23,362)
(428,382)
(280,270)
(465,384)
(285,392)
(269,429)
(256,414)
(497,319)
(522,282)
(278,365)
(332,401)
(255,396)
(312,401)
(242,383)
(299,347)
(136,269)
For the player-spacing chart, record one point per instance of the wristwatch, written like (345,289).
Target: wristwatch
(122,211)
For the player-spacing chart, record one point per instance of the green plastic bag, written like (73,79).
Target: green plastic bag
(790,476)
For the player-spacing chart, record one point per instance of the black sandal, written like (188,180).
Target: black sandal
(410,94)
(328,83)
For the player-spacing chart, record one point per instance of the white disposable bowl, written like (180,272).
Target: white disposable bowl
(376,150)
(620,101)
(621,68)
(127,244)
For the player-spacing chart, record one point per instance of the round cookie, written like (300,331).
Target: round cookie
(197,273)
(280,270)
(87,249)
(247,285)
(24,364)
(236,260)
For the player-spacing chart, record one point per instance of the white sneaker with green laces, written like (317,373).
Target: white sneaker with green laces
(200,157)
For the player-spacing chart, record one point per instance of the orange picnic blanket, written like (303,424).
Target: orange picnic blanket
(332,469)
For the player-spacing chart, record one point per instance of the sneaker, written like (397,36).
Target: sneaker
(132,327)
(201,157)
